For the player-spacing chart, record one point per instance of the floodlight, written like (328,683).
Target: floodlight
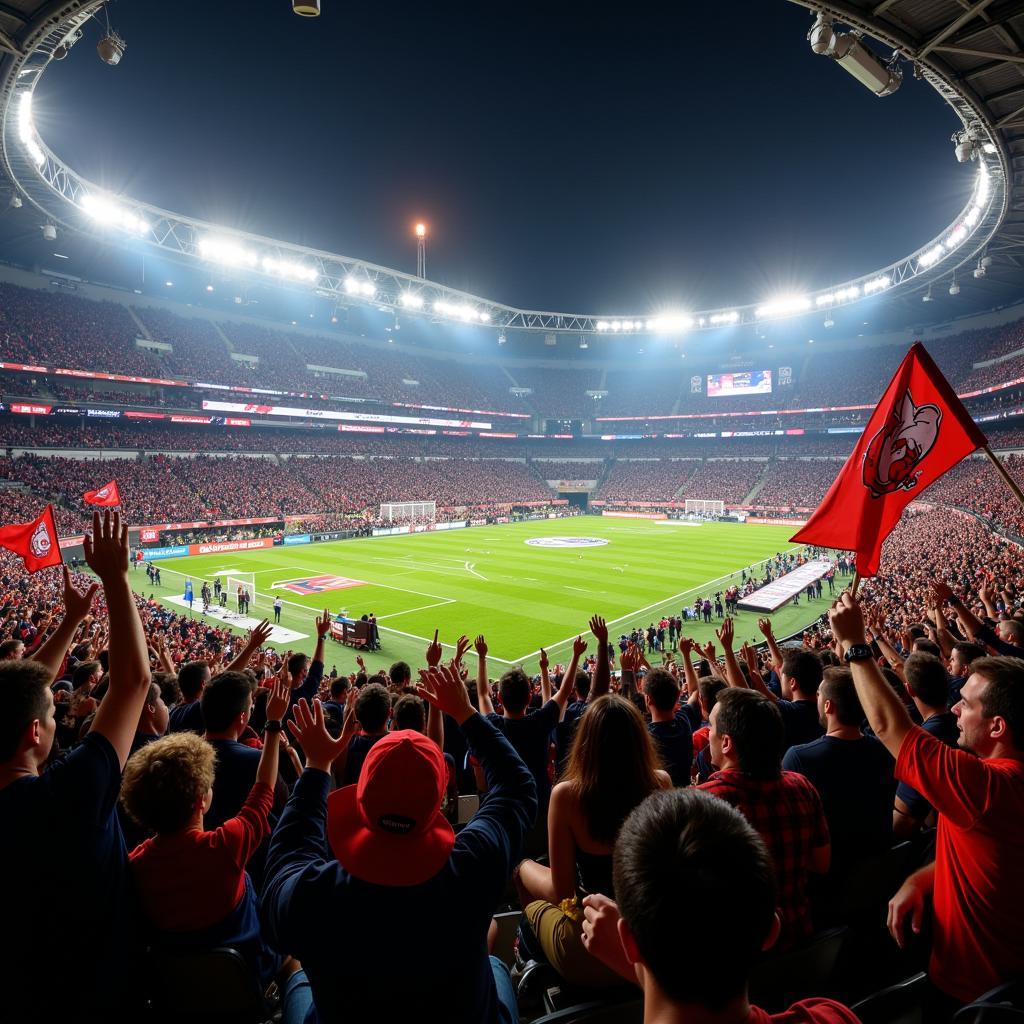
(412,300)
(932,256)
(224,250)
(964,147)
(49,232)
(209,287)
(927,297)
(979,271)
(111,48)
(829,322)
(26,133)
(954,288)
(108,213)
(990,148)
(854,57)
(785,305)
(877,284)
(501,338)
(583,343)
(306,8)
(729,317)
(16,202)
(421,230)
(986,261)
(63,48)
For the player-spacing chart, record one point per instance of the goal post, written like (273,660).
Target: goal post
(240,581)
(703,507)
(408,512)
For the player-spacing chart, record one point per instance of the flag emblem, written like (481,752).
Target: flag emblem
(40,542)
(897,449)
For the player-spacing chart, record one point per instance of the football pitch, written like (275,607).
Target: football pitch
(523,585)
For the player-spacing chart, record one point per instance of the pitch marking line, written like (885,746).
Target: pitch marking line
(471,567)
(647,608)
(422,608)
(370,583)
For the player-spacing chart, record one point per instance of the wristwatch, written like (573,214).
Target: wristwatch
(858,652)
(274,726)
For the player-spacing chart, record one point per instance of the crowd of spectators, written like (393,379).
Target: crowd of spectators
(797,482)
(728,480)
(646,479)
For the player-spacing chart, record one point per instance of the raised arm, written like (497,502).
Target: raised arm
(545,679)
(756,679)
(883,708)
(257,638)
(76,607)
(733,675)
(106,553)
(686,646)
(277,707)
(561,696)
(483,684)
(602,681)
(765,626)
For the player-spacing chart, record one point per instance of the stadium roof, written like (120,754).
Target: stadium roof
(969,50)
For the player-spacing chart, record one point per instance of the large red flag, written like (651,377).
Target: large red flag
(918,432)
(107,497)
(35,542)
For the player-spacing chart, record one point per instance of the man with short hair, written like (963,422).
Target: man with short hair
(684,833)
(381,854)
(153,720)
(962,656)
(975,885)
(373,712)
(928,685)
(188,715)
(69,806)
(669,726)
(746,741)
(852,774)
(400,675)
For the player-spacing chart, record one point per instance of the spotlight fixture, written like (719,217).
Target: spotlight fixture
(828,323)
(954,288)
(964,147)
(979,270)
(306,8)
(583,343)
(63,48)
(501,338)
(16,203)
(927,297)
(49,232)
(854,57)
(111,48)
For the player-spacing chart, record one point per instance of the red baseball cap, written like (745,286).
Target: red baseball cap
(388,828)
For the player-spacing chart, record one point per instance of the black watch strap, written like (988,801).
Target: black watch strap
(858,652)
(274,726)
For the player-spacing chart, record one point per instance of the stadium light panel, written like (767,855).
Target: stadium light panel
(932,256)
(224,250)
(877,284)
(602,325)
(356,287)
(670,323)
(26,132)
(109,214)
(288,269)
(731,317)
(412,300)
(785,305)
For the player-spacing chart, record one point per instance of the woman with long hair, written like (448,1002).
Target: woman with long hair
(612,767)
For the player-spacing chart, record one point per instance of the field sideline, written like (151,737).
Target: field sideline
(490,580)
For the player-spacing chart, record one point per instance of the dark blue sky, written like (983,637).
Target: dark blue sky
(565,157)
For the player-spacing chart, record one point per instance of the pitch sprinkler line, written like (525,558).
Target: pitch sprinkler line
(647,608)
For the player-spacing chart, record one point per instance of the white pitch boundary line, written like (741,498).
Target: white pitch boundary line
(369,583)
(647,608)
(422,608)
(471,567)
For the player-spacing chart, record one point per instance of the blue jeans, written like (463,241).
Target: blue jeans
(297,997)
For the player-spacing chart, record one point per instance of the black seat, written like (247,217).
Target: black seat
(780,979)
(206,985)
(869,887)
(902,1003)
(1004,1003)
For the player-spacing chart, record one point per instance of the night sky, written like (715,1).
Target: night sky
(566,158)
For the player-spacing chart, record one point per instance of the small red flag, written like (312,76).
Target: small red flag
(919,431)
(106,497)
(35,543)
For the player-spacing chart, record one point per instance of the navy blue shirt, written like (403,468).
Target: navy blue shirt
(358,748)
(854,779)
(566,730)
(187,718)
(801,721)
(65,819)
(530,738)
(344,929)
(944,727)
(674,741)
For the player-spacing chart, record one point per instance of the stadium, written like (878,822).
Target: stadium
(740,525)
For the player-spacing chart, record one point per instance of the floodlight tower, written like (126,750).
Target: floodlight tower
(421,251)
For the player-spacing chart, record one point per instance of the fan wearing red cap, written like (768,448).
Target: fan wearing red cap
(353,875)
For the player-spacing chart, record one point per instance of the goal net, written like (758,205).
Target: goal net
(240,581)
(409,512)
(703,507)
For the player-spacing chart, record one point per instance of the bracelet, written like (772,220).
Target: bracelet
(274,725)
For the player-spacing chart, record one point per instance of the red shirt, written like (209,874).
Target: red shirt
(787,812)
(979,889)
(807,1011)
(193,880)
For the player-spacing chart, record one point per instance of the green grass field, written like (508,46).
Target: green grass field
(490,580)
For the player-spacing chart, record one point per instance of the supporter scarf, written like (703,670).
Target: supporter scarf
(35,543)
(919,431)
(106,497)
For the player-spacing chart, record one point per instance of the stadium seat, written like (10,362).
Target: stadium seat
(505,943)
(1005,1003)
(869,887)
(209,985)
(782,978)
(901,1003)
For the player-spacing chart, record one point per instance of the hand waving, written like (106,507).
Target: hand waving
(77,603)
(106,550)
(600,630)
(310,732)
(579,647)
(434,652)
(481,646)
(444,688)
(278,701)
(725,634)
(323,624)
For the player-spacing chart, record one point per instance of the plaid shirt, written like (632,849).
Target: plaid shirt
(787,813)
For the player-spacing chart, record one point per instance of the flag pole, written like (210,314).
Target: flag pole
(1007,479)
(856,585)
